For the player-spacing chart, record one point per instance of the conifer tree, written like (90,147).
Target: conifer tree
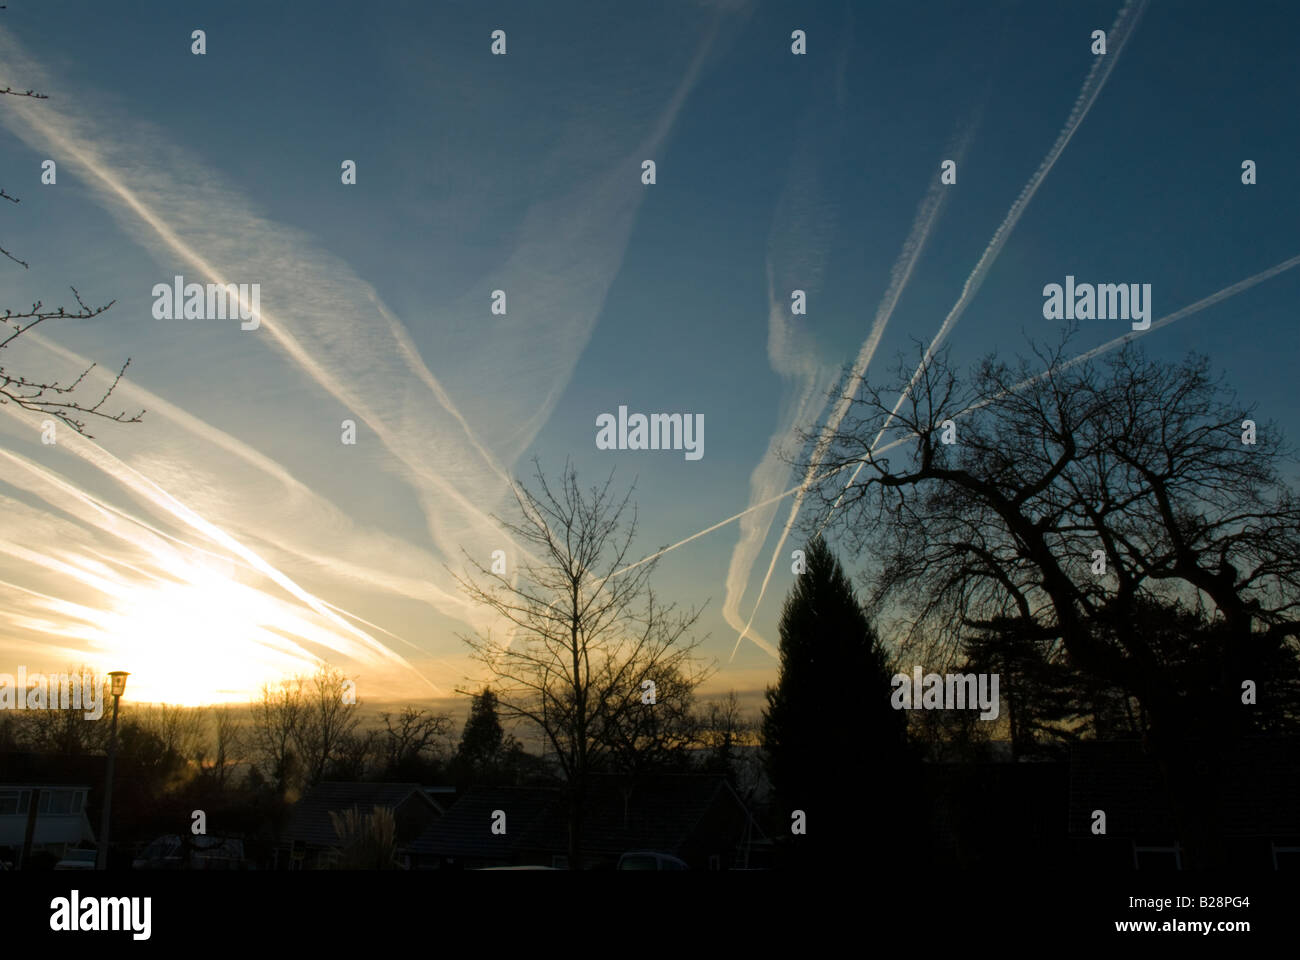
(835,747)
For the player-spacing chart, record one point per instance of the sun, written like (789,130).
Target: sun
(200,639)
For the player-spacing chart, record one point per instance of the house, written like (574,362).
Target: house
(57,820)
(996,815)
(1251,786)
(697,818)
(309,842)
(463,838)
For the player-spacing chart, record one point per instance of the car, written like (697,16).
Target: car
(650,860)
(205,853)
(78,860)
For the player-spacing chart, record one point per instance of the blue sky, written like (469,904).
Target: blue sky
(236,500)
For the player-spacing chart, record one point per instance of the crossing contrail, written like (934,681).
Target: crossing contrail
(1118,35)
(1202,304)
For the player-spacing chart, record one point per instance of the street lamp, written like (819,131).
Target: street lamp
(117,686)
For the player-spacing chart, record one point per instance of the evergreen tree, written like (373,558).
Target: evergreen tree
(835,747)
(485,751)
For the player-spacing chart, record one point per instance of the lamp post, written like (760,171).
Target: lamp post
(117,688)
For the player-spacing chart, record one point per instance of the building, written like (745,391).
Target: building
(697,818)
(42,816)
(310,842)
(1249,787)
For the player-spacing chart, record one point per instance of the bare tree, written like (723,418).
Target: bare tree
(218,756)
(588,638)
(277,719)
(355,755)
(41,394)
(329,718)
(1058,471)
(660,735)
(64,730)
(724,729)
(412,736)
(179,729)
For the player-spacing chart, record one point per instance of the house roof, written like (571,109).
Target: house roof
(466,830)
(311,823)
(663,813)
(1253,784)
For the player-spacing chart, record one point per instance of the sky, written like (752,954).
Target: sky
(231,537)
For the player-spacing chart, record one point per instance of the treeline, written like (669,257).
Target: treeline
(246,764)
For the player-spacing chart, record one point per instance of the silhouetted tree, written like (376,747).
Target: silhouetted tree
(45,394)
(656,736)
(723,730)
(486,754)
(329,717)
(355,755)
(274,733)
(66,731)
(482,739)
(1056,470)
(414,744)
(218,756)
(588,629)
(1044,701)
(836,749)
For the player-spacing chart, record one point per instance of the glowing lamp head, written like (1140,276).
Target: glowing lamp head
(117,679)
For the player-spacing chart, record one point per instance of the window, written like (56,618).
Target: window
(8,802)
(60,802)
(715,861)
(78,798)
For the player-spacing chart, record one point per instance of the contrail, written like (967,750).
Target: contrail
(183,238)
(927,214)
(922,225)
(1101,69)
(1196,307)
(390,437)
(800,239)
(413,586)
(1109,345)
(96,455)
(1092,86)
(1106,347)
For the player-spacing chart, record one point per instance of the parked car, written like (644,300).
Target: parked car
(205,853)
(78,860)
(650,860)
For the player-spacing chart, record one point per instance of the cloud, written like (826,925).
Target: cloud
(197,488)
(1101,69)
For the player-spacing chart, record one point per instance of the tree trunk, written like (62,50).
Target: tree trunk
(575,828)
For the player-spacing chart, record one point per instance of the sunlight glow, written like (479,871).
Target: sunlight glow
(206,640)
